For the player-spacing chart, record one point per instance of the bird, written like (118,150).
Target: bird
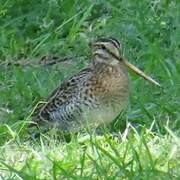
(95,95)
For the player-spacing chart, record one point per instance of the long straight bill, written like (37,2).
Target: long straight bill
(142,74)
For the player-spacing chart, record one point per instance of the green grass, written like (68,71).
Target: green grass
(147,141)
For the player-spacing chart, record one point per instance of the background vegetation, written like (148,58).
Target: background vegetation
(32,31)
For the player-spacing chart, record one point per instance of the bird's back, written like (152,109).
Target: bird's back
(64,107)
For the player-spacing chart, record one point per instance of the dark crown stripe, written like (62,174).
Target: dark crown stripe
(114,41)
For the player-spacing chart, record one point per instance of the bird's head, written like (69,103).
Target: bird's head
(105,50)
(109,51)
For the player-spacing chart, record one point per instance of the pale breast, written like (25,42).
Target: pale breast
(111,90)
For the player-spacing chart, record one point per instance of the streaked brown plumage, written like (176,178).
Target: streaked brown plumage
(91,97)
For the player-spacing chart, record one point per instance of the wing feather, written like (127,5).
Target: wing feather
(63,103)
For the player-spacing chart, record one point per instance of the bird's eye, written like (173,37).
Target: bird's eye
(103,47)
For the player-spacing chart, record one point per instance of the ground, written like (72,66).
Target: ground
(143,142)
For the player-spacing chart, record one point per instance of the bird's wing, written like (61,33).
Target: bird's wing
(62,96)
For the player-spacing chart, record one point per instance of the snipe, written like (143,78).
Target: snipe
(93,96)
